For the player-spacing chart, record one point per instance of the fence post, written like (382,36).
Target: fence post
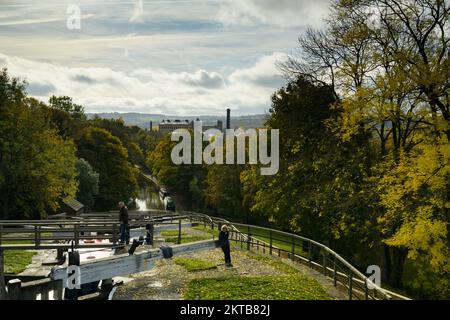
(36,236)
(14,289)
(350,285)
(179,231)
(334,272)
(292,248)
(241,239)
(366,290)
(3,294)
(310,254)
(114,233)
(75,234)
(324,263)
(270,242)
(248,238)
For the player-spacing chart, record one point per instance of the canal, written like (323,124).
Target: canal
(148,198)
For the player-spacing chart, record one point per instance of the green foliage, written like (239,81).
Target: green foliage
(108,157)
(255,288)
(88,183)
(133,138)
(185,179)
(66,104)
(37,166)
(222,193)
(193,265)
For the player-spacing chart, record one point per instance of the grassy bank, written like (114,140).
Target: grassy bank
(256,288)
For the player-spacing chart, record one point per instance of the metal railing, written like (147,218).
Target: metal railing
(304,251)
(65,234)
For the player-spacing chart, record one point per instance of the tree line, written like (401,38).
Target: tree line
(51,150)
(364,122)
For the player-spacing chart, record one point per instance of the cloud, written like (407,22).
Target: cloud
(245,90)
(202,78)
(282,13)
(264,73)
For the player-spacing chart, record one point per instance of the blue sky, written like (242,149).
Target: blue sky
(184,57)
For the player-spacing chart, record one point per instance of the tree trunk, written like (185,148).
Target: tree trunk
(399,257)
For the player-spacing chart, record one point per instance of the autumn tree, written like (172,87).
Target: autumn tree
(88,181)
(37,166)
(107,156)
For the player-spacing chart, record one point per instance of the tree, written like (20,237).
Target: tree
(387,63)
(223,194)
(88,181)
(414,192)
(66,104)
(108,157)
(133,138)
(37,166)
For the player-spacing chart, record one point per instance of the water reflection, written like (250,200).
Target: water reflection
(148,199)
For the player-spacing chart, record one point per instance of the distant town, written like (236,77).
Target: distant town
(143,120)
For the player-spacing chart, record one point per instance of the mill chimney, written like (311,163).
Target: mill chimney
(228,119)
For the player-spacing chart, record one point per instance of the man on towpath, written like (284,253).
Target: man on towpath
(124,227)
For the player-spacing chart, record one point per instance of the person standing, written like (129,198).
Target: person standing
(225,244)
(124,223)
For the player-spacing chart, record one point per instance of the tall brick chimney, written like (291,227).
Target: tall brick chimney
(228,119)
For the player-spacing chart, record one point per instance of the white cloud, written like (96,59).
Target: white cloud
(282,13)
(264,73)
(245,90)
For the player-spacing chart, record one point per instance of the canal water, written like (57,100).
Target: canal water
(148,198)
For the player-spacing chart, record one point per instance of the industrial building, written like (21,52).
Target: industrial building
(168,126)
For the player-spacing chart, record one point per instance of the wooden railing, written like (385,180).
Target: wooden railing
(77,232)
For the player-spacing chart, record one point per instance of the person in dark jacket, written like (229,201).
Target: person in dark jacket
(123,219)
(225,244)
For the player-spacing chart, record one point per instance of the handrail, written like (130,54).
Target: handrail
(343,272)
(353,273)
(48,234)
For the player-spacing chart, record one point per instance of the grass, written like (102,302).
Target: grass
(212,232)
(172,233)
(187,239)
(193,265)
(273,262)
(279,240)
(17,261)
(255,288)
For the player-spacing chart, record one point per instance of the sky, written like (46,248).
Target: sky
(180,57)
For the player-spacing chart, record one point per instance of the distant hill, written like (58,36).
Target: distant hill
(143,119)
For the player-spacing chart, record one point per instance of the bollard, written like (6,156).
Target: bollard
(14,289)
